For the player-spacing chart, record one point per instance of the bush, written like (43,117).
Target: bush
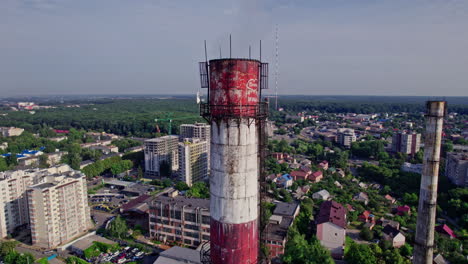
(366,234)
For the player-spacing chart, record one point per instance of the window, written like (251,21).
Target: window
(193,227)
(190,217)
(206,219)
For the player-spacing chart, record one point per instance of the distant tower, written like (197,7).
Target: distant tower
(235,112)
(424,241)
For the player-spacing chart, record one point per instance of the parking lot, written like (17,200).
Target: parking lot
(124,255)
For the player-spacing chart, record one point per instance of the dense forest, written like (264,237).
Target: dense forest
(136,116)
(367,104)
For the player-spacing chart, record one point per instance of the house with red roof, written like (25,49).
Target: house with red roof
(323,165)
(445,230)
(60,131)
(278,155)
(366,217)
(331,227)
(390,199)
(316,176)
(299,175)
(403,210)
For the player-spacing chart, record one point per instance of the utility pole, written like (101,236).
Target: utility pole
(424,241)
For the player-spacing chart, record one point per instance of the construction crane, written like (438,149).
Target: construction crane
(170,118)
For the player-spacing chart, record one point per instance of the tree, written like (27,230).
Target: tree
(43,161)
(199,190)
(26,258)
(410,198)
(360,254)
(11,160)
(393,256)
(140,172)
(3,164)
(118,228)
(299,251)
(406,250)
(181,186)
(7,247)
(366,234)
(166,183)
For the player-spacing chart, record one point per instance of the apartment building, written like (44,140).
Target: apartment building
(197,130)
(456,168)
(180,219)
(13,199)
(406,142)
(10,131)
(58,209)
(345,136)
(159,151)
(193,161)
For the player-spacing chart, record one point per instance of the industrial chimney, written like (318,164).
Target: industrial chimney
(424,241)
(235,110)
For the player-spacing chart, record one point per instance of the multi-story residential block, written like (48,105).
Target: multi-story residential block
(51,159)
(197,130)
(345,136)
(10,131)
(193,160)
(58,208)
(331,227)
(276,231)
(13,198)
(456,168)
(200,131)
(406,142)
(159,151)
(180,219)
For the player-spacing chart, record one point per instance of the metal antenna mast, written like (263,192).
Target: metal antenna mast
(276,67)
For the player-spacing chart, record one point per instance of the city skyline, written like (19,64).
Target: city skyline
(152,47)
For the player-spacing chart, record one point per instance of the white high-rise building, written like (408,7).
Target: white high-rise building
(193,161)
(158,151)
(42,198)
(13,201)
(406,142)
(58,209)
(197,130)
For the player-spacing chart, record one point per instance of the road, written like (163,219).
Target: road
(21,248)
(101,217)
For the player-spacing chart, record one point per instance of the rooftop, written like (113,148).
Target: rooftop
(183,201)
(331,211)
(285,209)
(179,255)
(279,232)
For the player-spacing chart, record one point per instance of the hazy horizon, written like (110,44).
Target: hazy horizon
(122,47)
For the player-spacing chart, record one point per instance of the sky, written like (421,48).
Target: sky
(326,47)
